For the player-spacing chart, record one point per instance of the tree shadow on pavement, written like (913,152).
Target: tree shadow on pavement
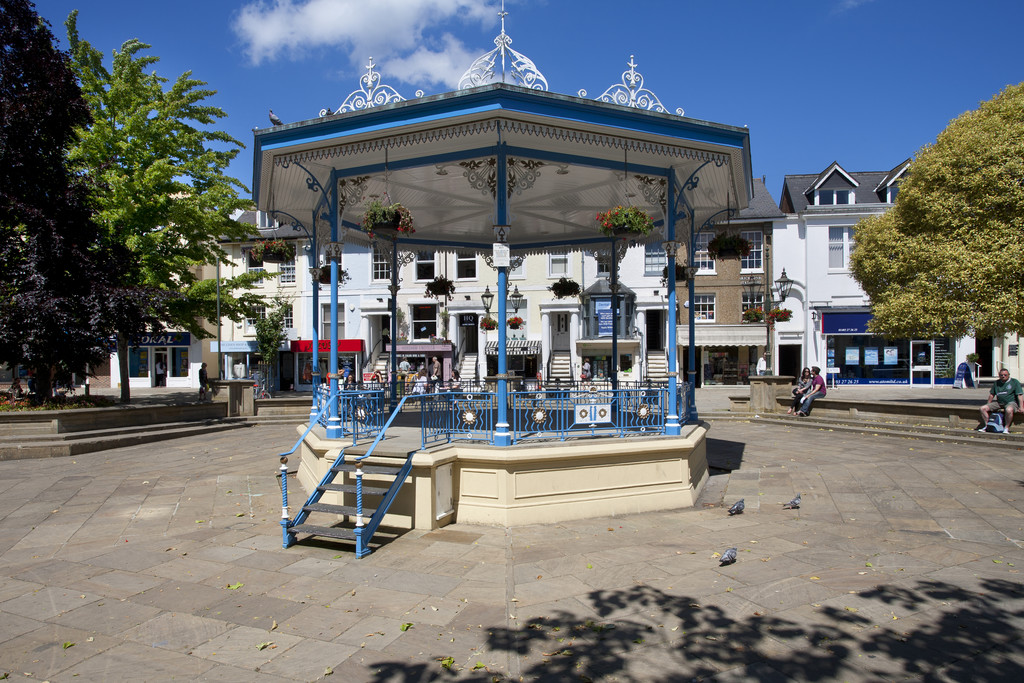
(646,634)
(723,455)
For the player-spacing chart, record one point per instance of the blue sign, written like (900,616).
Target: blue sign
(845,323)
(164,339)
(963,376)
(604,317)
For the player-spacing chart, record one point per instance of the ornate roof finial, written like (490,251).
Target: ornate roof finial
(522,70)
(631,92)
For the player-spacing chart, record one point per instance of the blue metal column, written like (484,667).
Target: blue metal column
(672,426)
(393,305)
(334,420)
(315,336)
(502,435)
(691,408)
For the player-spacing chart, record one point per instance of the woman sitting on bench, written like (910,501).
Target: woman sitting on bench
(817,390)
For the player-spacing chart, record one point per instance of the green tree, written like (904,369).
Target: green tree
(58,282)
(946,259)
(159,168)
(270,332)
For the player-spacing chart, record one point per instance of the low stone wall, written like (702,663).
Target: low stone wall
(28,422)
(532,484)
(946,415)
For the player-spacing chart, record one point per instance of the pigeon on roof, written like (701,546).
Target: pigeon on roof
(793,504)
(737,508)
(275,119)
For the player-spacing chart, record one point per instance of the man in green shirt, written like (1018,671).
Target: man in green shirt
(1006,395)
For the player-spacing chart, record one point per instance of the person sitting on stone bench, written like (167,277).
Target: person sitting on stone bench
(816,391)
(1006,395)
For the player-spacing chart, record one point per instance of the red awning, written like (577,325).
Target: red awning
(344,346)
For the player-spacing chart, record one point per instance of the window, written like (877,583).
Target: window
(826,197)
(704,307)
(840,246)
(701,258)
(604,263)
(655,259)
(253,264)
(752,261)
(425,268)
(755,301)
(558,264)
(465,265)
(893,191)
(519,272)
(325,321)
(259,312)
(289,319)
(381,265)
(424,321)
(288,272)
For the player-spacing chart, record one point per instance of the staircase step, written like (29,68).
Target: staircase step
(351,488)
(347,510)
(329,531)
(367,469)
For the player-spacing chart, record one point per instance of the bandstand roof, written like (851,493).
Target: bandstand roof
(567,159)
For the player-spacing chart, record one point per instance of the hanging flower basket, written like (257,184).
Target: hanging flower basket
(515,322)
(440,287)
(564,288)
(680,273)
(623,221)
(753,315)
(325,275)
(274,251)
(779,315)
(488,324)
(387,220)
(728,246)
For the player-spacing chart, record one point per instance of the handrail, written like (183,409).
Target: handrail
(312,423)
(371,359)
(384,429)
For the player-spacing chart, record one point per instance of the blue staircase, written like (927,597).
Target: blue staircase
(345,477)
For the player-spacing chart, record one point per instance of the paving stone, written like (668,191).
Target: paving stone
(111,617)
(246,647)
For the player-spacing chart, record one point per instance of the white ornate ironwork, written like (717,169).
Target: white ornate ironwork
(631,92)
(519,68)
(370,94)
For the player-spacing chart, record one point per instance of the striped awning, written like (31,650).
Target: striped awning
(515,347)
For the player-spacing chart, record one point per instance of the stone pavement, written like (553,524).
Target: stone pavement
(164,561)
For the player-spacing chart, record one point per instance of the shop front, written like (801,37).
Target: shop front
(522,358)
(726,354)
(855,356)
(163,360)
(599,353)
(350,355)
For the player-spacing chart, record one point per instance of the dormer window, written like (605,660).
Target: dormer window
(893,190)
(829,197)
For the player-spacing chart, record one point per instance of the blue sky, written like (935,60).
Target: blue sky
(864,82)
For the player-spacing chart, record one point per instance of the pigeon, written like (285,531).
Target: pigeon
(793,504)
(728,557)
(275,119)
(737,508)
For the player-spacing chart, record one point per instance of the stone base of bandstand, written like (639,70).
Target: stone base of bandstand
(535,483)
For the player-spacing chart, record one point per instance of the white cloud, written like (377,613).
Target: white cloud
(405,37)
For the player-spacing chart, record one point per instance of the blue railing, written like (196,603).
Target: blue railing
(448,416)
(598,412)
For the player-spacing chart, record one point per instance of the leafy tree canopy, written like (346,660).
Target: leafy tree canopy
(159,166)
(948,258)
(57,279)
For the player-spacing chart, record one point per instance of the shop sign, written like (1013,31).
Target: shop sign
(234,347)
(164,339)
(845,323)
(324,345)
(467,320)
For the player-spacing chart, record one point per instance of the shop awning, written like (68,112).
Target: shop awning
(723,335)
(515,347)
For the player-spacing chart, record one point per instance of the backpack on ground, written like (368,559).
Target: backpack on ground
(995,422)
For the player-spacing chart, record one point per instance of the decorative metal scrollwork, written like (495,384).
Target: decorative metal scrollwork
(370,94)
(643,411)
(539,415)
(469,416)
(482,175)
(631,92)
(521,68)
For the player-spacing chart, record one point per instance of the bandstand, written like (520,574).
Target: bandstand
(506,169)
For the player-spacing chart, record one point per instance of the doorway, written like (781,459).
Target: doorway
(655,330)
(560,332)
(921,362)
(160,367)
